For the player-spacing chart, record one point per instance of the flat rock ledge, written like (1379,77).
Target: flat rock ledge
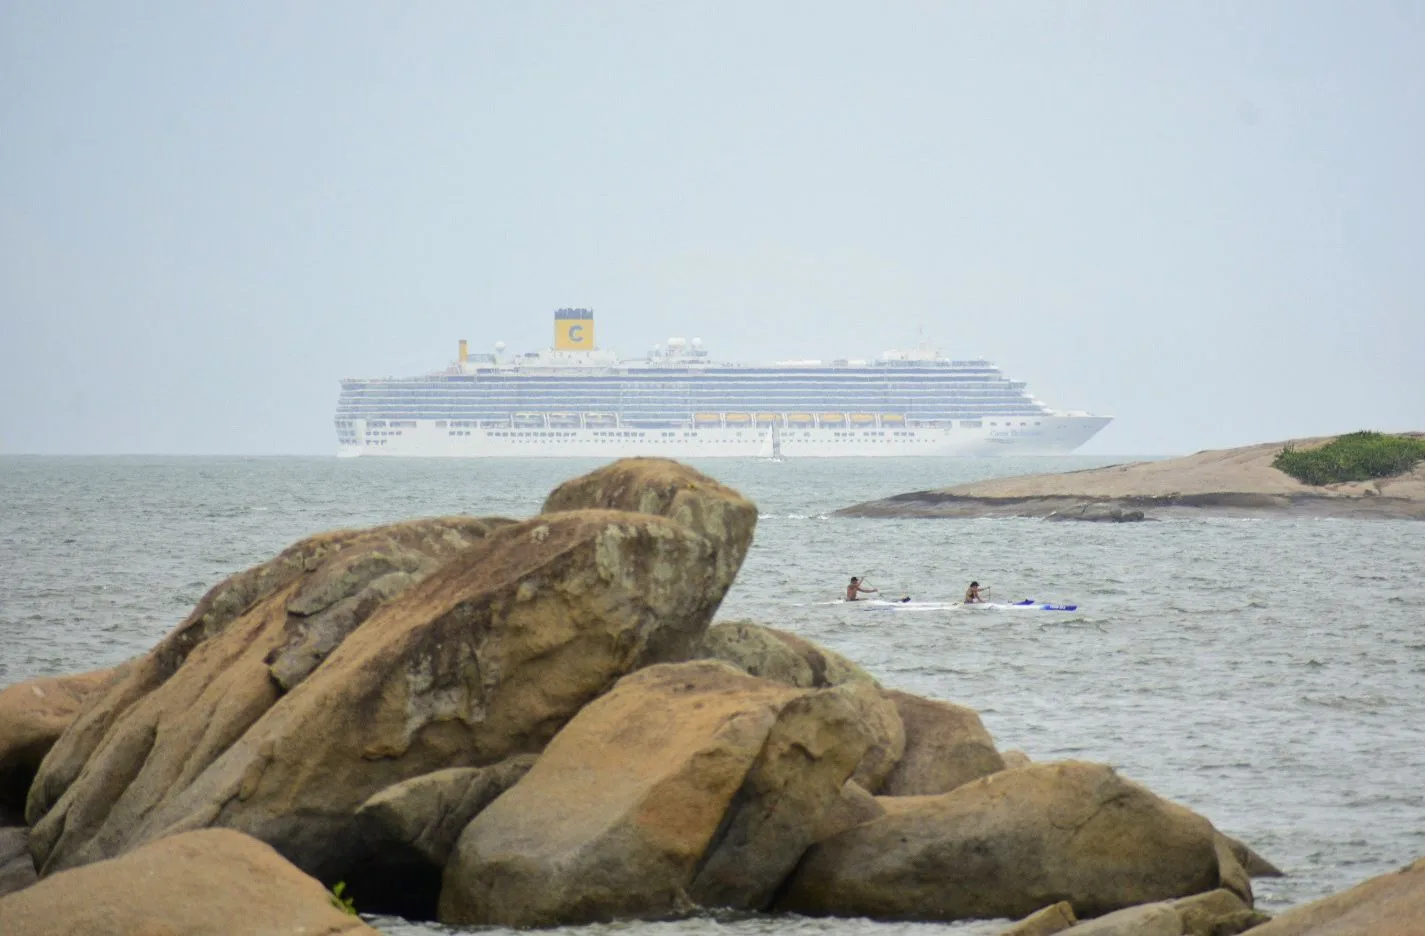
(1239,482)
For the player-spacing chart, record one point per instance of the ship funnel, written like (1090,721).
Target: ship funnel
(464,351)
(574,329)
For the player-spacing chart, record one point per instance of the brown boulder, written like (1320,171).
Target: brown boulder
(946,745)
(33,714)
(235,597)
(667,488)
(209,883)
(777,655)
(799,778)
(167,716)
(409,830)
(1009,844)
(483,658)
(785,658)
(686,782)
(1388,905)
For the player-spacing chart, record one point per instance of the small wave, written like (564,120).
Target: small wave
(1368,703)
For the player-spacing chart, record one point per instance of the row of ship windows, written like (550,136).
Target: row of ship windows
(576,388)
(686,436)
(664,386)
(609,421)
(964,424)
(673,406)
(439,412)
(563,397)
(666,381)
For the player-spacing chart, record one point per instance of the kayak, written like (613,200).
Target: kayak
(1028,604)
(905,604)
(898,604)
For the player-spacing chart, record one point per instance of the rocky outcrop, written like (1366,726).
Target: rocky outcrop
(1389,905)
(1009,844)
(209,883)
(946,745)
(777,655)
(484,659)
(1239,482)
(687,783)
(33,714)
(241,596)
(357,660)
(408,831)
(531,723)
(135,758)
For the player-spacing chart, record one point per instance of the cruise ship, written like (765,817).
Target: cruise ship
(575,399)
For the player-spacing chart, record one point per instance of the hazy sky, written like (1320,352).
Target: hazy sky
(1206,219)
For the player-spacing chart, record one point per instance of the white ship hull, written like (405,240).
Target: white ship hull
(1048,435)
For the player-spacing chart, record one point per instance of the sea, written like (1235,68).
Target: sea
(1268,673)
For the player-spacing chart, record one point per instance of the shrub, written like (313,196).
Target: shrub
(340,900)
(1358,456)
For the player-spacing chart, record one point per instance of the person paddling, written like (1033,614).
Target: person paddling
(972,594)
(856,588)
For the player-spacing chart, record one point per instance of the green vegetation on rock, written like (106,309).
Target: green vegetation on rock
(1357,456)
(340,900)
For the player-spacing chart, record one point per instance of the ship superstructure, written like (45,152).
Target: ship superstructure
(576,400)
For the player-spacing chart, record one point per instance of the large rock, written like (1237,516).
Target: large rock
(669,489)
(409,830)
(361,659)
(690,782)
(116,777)
(259,591)
(1389,905)
(785,658)
(777,655)
(946,745)
(1011,843)
(33,714)
(209,883)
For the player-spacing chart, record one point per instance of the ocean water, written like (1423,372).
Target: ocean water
(1268,673)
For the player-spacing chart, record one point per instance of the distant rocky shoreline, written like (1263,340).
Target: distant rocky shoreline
(1239,482)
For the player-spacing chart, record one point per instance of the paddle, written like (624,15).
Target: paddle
(902,599)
